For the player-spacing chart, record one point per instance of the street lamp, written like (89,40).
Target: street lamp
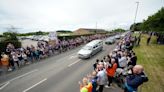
(135,16)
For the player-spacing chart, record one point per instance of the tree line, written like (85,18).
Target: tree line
(154,22)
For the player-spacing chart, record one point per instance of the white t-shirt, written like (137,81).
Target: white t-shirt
(24,56)
(122,62)
(15,58)
(102,77)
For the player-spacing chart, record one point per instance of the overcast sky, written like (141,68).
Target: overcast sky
(50,15)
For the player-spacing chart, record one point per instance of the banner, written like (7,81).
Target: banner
(53,40)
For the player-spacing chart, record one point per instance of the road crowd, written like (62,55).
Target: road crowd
(15,58)
(119,66)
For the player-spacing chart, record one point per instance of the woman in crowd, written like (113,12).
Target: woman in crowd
(111,69)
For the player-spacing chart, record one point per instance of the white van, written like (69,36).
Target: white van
(91,49)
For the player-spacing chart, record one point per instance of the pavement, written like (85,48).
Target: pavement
(59,73)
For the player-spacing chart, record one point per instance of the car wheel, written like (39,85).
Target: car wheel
(90,55)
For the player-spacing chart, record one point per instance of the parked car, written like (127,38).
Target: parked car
(36,37)
(44,38)
(110,40)
(29,37)
(117,36)
(41,38)
(90,49)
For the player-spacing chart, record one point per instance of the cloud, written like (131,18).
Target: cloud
(71,14)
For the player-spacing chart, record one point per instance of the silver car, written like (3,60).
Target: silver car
(117,36)
(110,40)
(90,49)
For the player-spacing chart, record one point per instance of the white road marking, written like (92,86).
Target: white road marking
(73,63)
(6,83)
(73,57)
(61,59)
(23,75)
(35,85)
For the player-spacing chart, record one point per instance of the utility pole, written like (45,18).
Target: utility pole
(96,28)
(135,16)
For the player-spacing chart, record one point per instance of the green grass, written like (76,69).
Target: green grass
(152,58)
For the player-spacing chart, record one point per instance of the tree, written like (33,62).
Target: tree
(64,31)
(137,27)
(118,30)
(33,33)
(39,33)
(154,22)
(9,37)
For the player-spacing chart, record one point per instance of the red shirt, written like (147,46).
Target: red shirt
(111,71)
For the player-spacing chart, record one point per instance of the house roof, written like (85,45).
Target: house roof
(88,31)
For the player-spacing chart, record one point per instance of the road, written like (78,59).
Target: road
(59,73)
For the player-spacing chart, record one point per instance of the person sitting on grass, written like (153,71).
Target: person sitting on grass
(132,82)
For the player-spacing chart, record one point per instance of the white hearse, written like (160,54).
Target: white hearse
(91,49)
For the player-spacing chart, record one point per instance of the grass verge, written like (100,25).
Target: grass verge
(152,58)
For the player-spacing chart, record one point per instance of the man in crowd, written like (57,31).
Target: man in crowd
(122,61)
(139,39)
(133,59)
(149,38)
(132,82)
(95,64)
(102,77)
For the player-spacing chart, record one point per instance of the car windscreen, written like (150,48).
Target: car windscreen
(87,48)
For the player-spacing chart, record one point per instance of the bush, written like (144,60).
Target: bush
(9,37)
(3,44)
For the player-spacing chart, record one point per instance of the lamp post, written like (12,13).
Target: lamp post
(135,16)
(96,28)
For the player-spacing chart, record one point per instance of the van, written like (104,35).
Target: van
(91,49)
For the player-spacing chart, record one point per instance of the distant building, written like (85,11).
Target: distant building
(84,31)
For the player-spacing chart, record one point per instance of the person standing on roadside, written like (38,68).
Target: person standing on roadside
(15,58)
(137,78)
(139,39)
(11,63)
(102,77)
(94,81)
(133,59)
(149,38)
(111,71)
(5,62)
(86,86)
(95,64)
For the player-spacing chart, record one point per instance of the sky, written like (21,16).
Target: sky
(50,15)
